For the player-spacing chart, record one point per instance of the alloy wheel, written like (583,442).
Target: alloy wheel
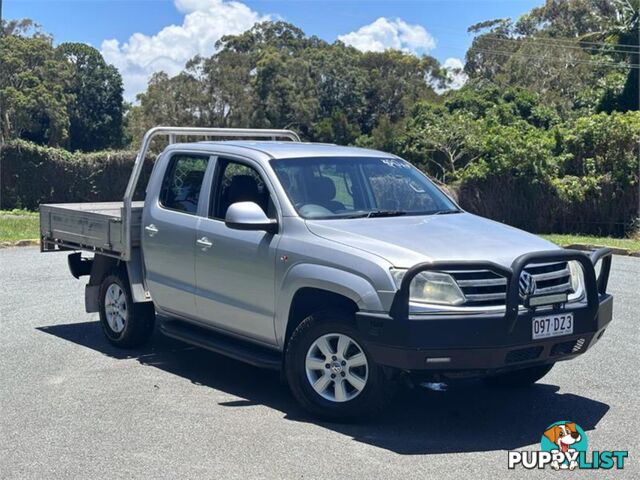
(115,308)
(336,367)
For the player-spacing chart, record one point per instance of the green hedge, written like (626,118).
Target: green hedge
(32,174)
(603,203)
(606,209)
(579,177)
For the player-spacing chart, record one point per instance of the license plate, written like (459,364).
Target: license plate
(552,326)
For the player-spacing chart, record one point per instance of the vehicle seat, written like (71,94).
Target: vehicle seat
(322,191)
(186,196)
(243,188)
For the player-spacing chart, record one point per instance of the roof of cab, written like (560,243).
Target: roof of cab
(279,150)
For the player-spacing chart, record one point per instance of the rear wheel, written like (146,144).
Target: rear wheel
(330,371)
(125,324)
(519,378)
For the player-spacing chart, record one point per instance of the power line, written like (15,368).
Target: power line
(608,48)
(573,61)
(601,63)
(558,39)
(573,42)
(547,58)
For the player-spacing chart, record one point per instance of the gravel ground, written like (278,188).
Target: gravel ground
(71,406)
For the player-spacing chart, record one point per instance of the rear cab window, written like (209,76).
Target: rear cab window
(182,182)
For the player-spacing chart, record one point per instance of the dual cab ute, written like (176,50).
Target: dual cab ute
(345,268)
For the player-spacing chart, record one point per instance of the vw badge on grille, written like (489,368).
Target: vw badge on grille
(527,285)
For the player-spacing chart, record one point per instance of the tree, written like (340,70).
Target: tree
(395,81)
(551,50)
(335,128)
(285,90)
(95,99)
(490,49)
(24,27)
(440,141)
(622,30)
(33,96)
(274,76)
(338,82)
(226,80)
(167,101)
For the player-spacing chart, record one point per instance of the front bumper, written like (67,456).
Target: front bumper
(487,343)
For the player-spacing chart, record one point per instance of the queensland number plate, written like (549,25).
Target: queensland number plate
(552,326)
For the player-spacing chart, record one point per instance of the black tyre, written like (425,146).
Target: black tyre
(330,371)
(124,323)
(519,378)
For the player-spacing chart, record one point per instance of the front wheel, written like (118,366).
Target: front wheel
(125,324)
(330,371)
(519,378)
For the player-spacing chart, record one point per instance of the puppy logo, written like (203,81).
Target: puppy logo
(563,446)
(567,439)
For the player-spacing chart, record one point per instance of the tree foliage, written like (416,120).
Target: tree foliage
(273,75)
(544,135)
(33,98)
(95,93)
(59,96)
(561,50)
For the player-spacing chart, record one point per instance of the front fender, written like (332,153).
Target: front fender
(331,279)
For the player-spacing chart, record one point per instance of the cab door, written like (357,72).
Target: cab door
(169,233)
(235,269)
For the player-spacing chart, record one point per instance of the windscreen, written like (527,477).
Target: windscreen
(352,187)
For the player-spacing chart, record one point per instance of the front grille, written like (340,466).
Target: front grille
(482,287)
(551,278)
(485,288)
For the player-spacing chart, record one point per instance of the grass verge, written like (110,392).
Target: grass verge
(564,240)
(18,225)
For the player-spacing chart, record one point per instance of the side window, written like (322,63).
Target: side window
(182,182)
(237,182)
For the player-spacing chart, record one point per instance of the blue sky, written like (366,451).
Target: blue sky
(436,27)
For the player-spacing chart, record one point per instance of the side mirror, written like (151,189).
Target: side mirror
(249,216)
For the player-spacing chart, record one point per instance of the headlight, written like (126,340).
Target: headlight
(577,281)
(431,287)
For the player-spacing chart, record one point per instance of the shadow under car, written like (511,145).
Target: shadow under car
(419,421)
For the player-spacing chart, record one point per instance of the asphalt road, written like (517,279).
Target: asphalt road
(71,406)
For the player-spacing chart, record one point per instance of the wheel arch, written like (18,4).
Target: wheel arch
(308,287)
(102,265)
(308,300)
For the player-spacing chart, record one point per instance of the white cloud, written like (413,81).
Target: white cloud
(384,34)
(205,22)
(454,67)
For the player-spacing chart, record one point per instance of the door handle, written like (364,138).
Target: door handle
(205,243)
(152,229)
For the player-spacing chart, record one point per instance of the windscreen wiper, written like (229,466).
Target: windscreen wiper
(385,213)
(376,213)
(447,212)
